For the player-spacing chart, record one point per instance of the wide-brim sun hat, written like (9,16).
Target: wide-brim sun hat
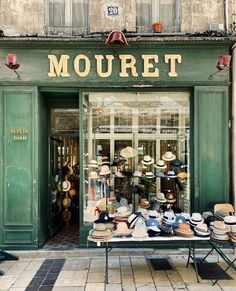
(147,160)
(66,215)
(66,202)
(184,230)
(66,186)
(168,156)
(105,170)
(128,153)
(160,165)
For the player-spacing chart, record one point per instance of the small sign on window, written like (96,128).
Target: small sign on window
(112,10)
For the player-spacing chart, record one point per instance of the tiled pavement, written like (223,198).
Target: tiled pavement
(126,273)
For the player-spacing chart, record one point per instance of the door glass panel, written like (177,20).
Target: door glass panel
(134,131)
(64,120)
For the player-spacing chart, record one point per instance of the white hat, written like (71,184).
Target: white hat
(140,231)
(168,217)
(93,175)
(196,218)
(65,186)
(160,164)
(147,160)
(168,156)
(123,211)
(161,197)
(122,229)
(93,164)
(230,220)
(105,170)
(149,175)
(128,152)
(201,229)
(137,174)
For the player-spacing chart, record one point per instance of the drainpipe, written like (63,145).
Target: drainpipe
(234,123)
(226,19)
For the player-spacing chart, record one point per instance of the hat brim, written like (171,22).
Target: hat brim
(160,167)
(147,163)
(170,159)
(110,219)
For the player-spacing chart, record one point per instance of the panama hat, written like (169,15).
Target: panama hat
(230,220)
(123,211)
(66,215)
(168,217)
(128,152)
(160,164)
(149,175)
(154,214)
(171,174)
(93,175)
(66,202)
(168,156)
(135,218)
(221,213)
(105,170)
(93,164)
(161,197)
(147,160)
(65,186)
(201,230)
(184,230)
(122,229)
(196,218)
(170,198)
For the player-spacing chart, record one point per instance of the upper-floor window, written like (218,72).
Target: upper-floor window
(67,17)
(164,11)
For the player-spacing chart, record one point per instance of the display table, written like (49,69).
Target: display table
(109,244)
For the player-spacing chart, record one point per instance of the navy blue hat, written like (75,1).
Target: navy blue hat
(104,217)
(176,163)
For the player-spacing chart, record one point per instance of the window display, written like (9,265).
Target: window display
(139,143)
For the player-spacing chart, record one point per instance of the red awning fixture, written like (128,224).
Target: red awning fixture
(12,64)
(224,62)
(116,37)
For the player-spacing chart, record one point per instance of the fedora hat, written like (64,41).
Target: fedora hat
(230,220)
(66,202)
(168,156)
(122,229)
(147,160)
(66,215)
(221,213)
(176,163)
(144,203)
(196,218)
(201,230)
(135,218)
(65,186)
(184,230)
(170,198)
(123,211)
(149,175)
(160,165)
(160,174)
(153,224)
(93,164)
(128,152)
(105,170)
(166,230)
(168,217)
(103,217)
(161,197)
(171,174)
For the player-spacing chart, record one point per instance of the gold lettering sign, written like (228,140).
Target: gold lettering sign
(59,67)
(19,133)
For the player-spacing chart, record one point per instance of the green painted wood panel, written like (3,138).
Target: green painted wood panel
(19,165)
(211,147)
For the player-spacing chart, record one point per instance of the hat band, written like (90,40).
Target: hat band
(167,218)
(147,161)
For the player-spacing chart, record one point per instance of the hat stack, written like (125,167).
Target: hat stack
(149,175)
(201,230)
(122,214)
(221,213)
(230,222)
(122,229)
(105,161)
(184,230)
(168,217)
(153,227)
(100,232)
(220,231)
(195,219)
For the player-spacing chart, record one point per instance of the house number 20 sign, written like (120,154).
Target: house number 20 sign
(112,10)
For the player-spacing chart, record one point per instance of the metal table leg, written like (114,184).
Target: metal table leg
(191,254)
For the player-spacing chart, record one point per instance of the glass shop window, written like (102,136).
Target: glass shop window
(64,120)
(137,146)
(165,12)
(67,17)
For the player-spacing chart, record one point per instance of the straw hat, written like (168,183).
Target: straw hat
(147,160)
(128,152)
(105,170)
(168,156)
(170,198)
(196,218)
(93,164)
(201,230)
(161,197)
(230,220)
(221,213)
(184,230)
(149,175)
(66,186)
(160,165)
(171,174)
(122,230)
(72,193)
(182,175)
(140,231)
(144,203)
(135,218)
(66,202)
(123,211)
(66,215)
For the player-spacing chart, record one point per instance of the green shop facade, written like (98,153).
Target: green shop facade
(73,102)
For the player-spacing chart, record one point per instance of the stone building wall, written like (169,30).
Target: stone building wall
(20,17)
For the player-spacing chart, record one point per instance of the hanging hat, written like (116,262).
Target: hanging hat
(93,164)
(72,193)
(144,203)
(93,175)
(168,156)
(66,202)
(170,198)
(65,186)
(128,152)
(122,229)
(182,175)
(147,160)
(105,170)
(176,163)
(171,174)
(196,218)
(66,215)
(161,197)
(103,217)
(160,164)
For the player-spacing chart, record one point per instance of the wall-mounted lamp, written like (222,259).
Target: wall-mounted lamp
(116,37)
(223,63)
(12,64)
